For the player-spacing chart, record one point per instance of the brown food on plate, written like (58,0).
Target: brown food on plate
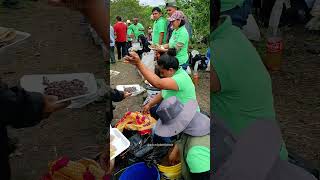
(64,89)
(130,89)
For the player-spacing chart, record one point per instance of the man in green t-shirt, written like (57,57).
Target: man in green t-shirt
(238,10)
(137,28)
(138,31)
(159,27)
(241,86)
(129,34)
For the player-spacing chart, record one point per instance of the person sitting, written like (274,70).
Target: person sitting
(192,132)
(175,81)
(241,88)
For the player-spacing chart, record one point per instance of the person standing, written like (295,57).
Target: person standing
(172,7)
(112,57)
(129,34)
(179,39)
(120,29)
(137,28)
(159,27)
(138,31)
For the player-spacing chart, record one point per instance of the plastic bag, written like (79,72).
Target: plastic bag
(251,30)
(136,121)
(148,61)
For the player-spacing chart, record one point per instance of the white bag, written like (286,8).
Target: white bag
(148,61)
(251,30)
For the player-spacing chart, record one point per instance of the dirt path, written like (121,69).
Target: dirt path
(57,45)
(129,75)
(296,91)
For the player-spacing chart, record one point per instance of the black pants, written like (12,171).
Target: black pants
(145,43)
(122,49)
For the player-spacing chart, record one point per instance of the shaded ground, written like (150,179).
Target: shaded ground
(57,45)
(296,91)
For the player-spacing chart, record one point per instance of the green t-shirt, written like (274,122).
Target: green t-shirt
(129,32)
(186,90)
(159,26)
(198,159)
(180,36)
(137,30)
(229,4)
(246,89)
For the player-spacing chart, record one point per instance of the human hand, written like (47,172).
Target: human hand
(133,58)
(146,109)
(174,156)
(126,94)
(51,106)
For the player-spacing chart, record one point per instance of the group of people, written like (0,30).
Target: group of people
(172,32)
(122,35)
(180,121)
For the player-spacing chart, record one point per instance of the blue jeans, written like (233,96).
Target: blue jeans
(239,15)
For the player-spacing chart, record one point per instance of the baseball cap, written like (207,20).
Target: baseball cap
(177,15)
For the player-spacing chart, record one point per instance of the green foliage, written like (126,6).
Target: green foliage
(197,12)
(129,9)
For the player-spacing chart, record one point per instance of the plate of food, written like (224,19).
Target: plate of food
(65,86)
(118,143)
(135,89)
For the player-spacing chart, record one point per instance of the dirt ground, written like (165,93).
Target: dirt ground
(57,45)
(296,90)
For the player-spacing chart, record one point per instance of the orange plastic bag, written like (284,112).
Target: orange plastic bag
(136,121)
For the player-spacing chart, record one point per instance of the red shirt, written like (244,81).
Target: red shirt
(120,30)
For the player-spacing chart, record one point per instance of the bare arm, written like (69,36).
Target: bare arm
(154,80)
(215,82)
(151,77)
(156,100)
(161,38)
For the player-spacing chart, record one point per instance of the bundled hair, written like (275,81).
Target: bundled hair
(169,60)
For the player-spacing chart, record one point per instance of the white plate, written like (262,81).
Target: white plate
(120,142)
(137,86)
(33,83)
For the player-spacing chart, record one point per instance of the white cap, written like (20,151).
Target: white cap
(128,21)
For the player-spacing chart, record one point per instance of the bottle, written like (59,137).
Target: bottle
(274,52)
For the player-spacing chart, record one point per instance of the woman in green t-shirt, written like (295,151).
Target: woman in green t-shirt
(179,39)
(175,81)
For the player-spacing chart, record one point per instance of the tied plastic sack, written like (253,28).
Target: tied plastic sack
(136,121)
(84,169)
(251,30)
(148,61)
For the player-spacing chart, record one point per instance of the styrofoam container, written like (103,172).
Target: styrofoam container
(120,142)
(34,83)
(137,86)
(6,52)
